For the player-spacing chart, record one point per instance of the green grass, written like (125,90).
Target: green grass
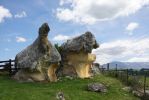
(72,89)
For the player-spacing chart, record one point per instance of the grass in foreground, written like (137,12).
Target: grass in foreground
(72,89)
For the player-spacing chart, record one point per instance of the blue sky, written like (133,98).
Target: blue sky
(120,26)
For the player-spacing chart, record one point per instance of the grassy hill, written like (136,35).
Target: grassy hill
(72,89)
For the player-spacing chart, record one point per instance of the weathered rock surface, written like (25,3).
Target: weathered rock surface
(141,94)
(97,87)
(146,95)
(85,43)
(147,92)
(127,89)
(137,93)
(39,61)
(76,55)
(60,96)
(95,68)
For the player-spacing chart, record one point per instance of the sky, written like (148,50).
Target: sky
(121,27)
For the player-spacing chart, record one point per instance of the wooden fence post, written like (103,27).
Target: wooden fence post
(15,65)
(108,64)
(10,71)
(144,83)
(116,71)
(127,76)
(102,69)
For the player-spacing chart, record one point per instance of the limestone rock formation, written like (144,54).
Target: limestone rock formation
(76,55)
(39,61)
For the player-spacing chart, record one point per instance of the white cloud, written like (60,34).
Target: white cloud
(92,11)
(61,37)
(131,27)
(123,50)
(20,15)
(139,59)
(4,13)
(21,39)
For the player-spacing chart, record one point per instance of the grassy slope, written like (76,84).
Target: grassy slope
(73,90)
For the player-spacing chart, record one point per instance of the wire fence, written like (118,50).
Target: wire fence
(137,79)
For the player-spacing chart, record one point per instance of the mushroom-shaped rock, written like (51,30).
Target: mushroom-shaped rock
(76,55)
(39,61)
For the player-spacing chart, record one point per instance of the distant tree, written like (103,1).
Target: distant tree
(58,47)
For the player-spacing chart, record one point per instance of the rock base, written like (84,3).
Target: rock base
(78,64)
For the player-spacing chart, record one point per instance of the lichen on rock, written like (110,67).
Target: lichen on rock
(85,42)
(38,61)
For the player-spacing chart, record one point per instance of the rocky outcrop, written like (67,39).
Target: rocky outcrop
(76,55)
(137,93)
(127,89)
(39,61)
(60,96)
(97,87)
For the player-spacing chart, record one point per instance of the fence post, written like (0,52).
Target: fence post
(116,71)
(102,69)
(144,83)
(15,65)
(10,67)
(108,64)
(127,76)
(121,75)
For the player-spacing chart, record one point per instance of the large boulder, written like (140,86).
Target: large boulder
(97,87)
(76,55)
(39,61)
